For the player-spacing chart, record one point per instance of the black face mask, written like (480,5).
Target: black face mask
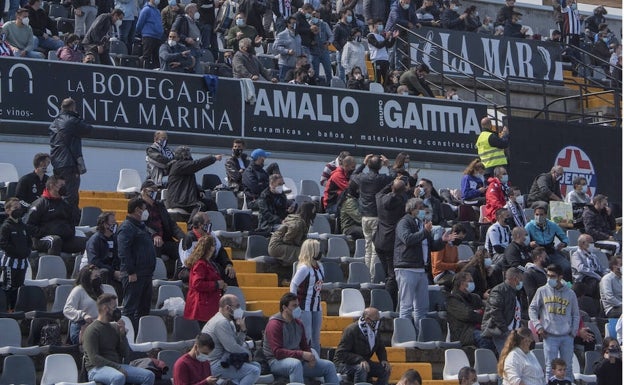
(18,213)
(62,191)
(237,152)
(457,242)
(318,257)
(116,315)
(532,346)
(96,282)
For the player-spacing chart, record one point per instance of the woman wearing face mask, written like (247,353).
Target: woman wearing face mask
(472,187)
(16,242)
(445,262)
(80,307)
(517,364)
(71,50)
(205,283)
(480,268)
(285,243)
(425,191)
(101,251)
(496,194)
(609,369)
(354,53)
(306,283)
(355,80)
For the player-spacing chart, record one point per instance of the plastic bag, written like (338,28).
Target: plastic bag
(174,305)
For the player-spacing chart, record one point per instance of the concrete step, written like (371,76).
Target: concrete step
(396,354)
(242,266)
(101,194)
(439,382)
(270,307)
(257,280)
(333,323)
(330,339)
(398,368)
(106,204)
(263,293)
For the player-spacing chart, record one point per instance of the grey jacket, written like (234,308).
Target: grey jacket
(555,310)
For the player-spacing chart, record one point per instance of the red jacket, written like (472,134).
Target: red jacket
(494,198)
(202,300)
(189,371)
(335,185)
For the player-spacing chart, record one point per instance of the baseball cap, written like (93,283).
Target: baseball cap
(259,153)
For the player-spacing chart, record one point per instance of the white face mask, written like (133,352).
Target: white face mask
(201,357)
(196,16)
(279,189)
(172,43)
(238,313)
(118,23)
(25,21)
(144,215)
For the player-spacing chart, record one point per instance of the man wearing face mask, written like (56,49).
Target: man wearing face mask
(303,17)
(16,243)
(245,64)
(273,205)
(288,45)
(505,308)
(241,30)
(546,187)
(496,194)
(359,342)
(286,348)
(517,252)
(149,27)
(227,329)
(236,165)
(445,262)
(194,367)
(465,313)
(542,232)
(412,253)
(255,178)
(135,247)
(175,57)
(535,275)
(337,184)
(101,250)
(554,312)
(342,31)
(30,186)
(450,18)
(96,39)
(187,27)
(491,146)
(105,346)
(158,157)
(611,289)
(20,36)
(498,236)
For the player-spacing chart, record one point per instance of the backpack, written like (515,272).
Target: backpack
(50,335)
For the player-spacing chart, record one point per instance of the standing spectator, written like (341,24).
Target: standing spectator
(20,36)
(332,166)
(319,51)
(208,10)
(350,216)
(241,30)
(101,251)
(542,232)
(288,45)
(472,20)
(97,38)
(306,284)
(136,252)
(609,369)
(182,189)
(425,191)
(71,51)
(503,309)
(491,147)
(273,205)
(85,12)
(429,14)
(126,30)
(236,165)
(303,17)
(517,364)
(286,348)
(400,168)
(158,157)
(285,243)
(586,267)
(169,14)
(594,21)
(80,307)
(336,184)
(205,283)
(505,13)
(282,9)
(30,186)
(342,31)
(66,133)
(105,347)
(517,218)
(498,236)
(415,80)
(571,27)
(378,44)
(358,343)
(450,18)
(5,47)
(535,275)
(412,247)
(40,22)
(555,314)
(16,242)
(600,223)
(496,194)
(354,53)
(402,14)
(149,26)
(245,64)
(514,27)
(445,262)
(487,27)
(578,193)
(188,28)
(194,367)
(472,188)
(465,312)
(611,289)
(255,179)
(375,11)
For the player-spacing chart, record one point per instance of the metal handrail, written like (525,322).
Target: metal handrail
(599,59)
(564,98)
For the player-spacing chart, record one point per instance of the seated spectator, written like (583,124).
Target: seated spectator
(481,268)
(285,243)
(467,376)
(336,184)
(228,331)
(358,343)
(429,14)
(16,243)
(164,230)
(451,19)
(51,223)
(410,377)
(535,274)
(516,253)
(30,186)
(498,236)
(194,367)
(236,165)
(97,38)
(445,262)
(5,47)
(465,312)
(40,22)
(578,193)
(101,251)
(175,57)
(414,80)
(255,178)
(300,77)
(609,369)
(487,27)
(200,226)
(514,27)
(350,215)
(159,155)
(241,30)
(496,194)
(71,50)
(515,208)
(393,82)
(356,81)
(542,232)
(205,283)
(611,289)
(586,303)
(288,46)
(546,187)
(245,64)
(273,205)
(600,224)
(182,189)
(586,267)
(20,36)
(80,307)
(331,166)
(354,53)
(425,191)
(472,188)
(169,14)
(555,37)
(303,64)
(286,348)
(505,13)
(89,58)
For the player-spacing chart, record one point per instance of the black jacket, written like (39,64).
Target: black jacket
(390,209)
(255,180)
(99,30)
(462,318)
(500,310)
(135,248)
(169,228)
(515,255)
(541,188)
(66,132)
(101,254)
(599,225)
(534,277)
(48,216)
(181,26)
(40,21)
(370,184)
(232,171)
(408,252)
(182,190)
(273,209)
(30,187)
(354,348)
(15,239)
(450,20)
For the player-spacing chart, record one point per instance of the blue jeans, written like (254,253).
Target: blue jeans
(312,325)
(360,375)
(111,376)
(340,71)
(413,294)
(283,69)
(499,341)
(126,33)
(483,342)
(246,375)
(50,44)
(296,370)
(83,22)
(559,346)
(30,54)
(74,331)
(325,60)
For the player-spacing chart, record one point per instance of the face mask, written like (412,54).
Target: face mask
(172,3)
(237,152)
(421,193)
(144,215)
(487,262)
(519,286)
(559,178)
(240,22)
(314,20)
(157,2)
(96,282)
(294,26)
(18,213)
(26,21)
(349,19)
(457,242)
(471,287)
(113,228)
(118,23)
(504,178)
(455,97)
(532,345)
(201,357)
(519,21)
(296,313)
(63,191)
(527,241)
(405,6)
(172,43)
(116,315)
(196,16)
(74,47)
(479,176)
(238,313)
(279,189)
(605,39)
(153,195)
(358,39)
(540,220)
(318,257)
(421,214)
(553,282)
(308,16)
(573,6)
(207,227)
(380,28)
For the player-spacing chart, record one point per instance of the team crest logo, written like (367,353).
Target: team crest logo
(576,163)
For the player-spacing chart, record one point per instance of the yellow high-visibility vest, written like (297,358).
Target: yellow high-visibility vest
(490,156)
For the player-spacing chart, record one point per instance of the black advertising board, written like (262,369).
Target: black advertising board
(501,56)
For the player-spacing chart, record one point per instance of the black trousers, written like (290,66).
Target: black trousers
(386,257)
(137,299)
(12,279)
(170,249)
(150,52)
(381,68)
(72,184)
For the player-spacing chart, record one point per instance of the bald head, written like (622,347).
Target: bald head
(398,186)
(486,124)
(371,313)
(228,300)
(584,241)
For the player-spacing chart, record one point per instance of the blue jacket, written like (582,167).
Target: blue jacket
(470,186)
(135,248)
(100,254)
(150,23)
(400,16)
(545,236)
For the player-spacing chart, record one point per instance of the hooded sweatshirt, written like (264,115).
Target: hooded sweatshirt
(284,339)
(555,310)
